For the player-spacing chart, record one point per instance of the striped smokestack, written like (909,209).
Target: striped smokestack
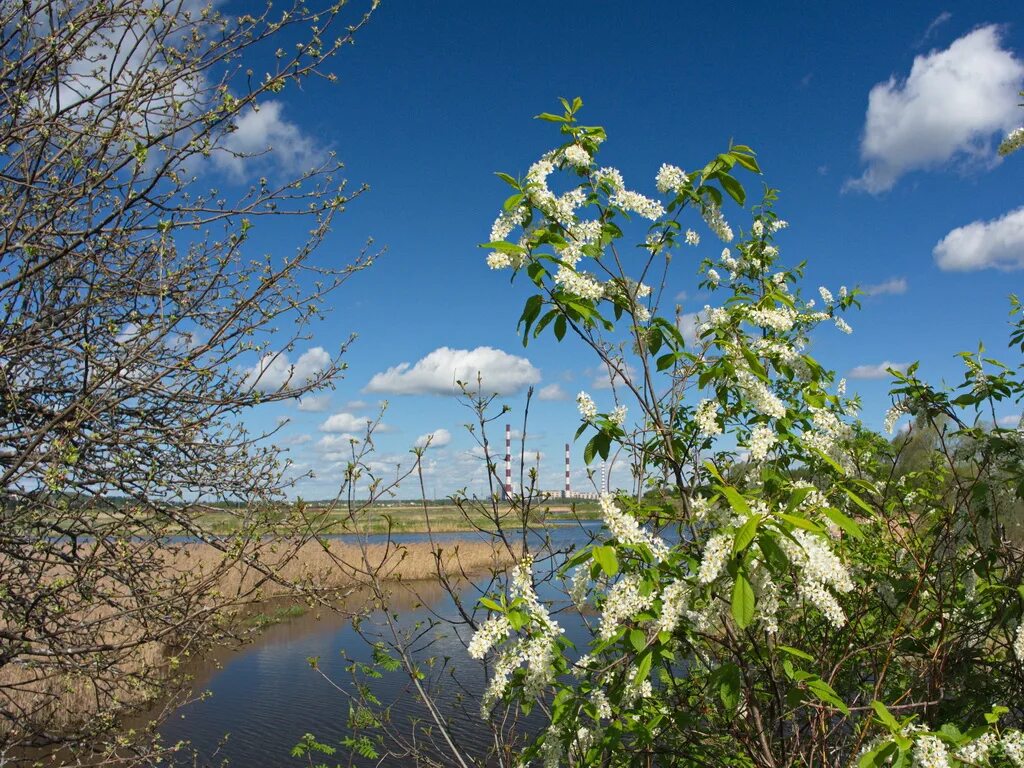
(604,478)
(508,461)
(568,487)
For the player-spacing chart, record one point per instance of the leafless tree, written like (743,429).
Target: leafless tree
(140,318)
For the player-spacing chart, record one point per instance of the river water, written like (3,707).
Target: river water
(265,696)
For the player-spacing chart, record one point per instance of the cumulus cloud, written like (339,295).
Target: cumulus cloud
(937,22)
(437,439)
(880,371)
(894,285)
(315,403)
(949,107)
(344,422)
(689,323)
(437,373)
(998,243)
(606,378)
(1010,420)
(553,392)
(263,132)
(275,372)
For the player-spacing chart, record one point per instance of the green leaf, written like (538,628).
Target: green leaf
(606,558)
(643,667)
(795,652)
(742,602)
(490,604)
(885,716)
(746,534)
(637,639)
(858,501)
(729,685)
(733,187)
(736,500)
(844,522)
(824,692)
(560,325)
(802,522)
(551,118)
(507,179)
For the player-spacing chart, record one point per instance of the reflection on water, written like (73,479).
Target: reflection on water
(266,695)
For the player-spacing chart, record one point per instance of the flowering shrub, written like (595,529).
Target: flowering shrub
(783,587)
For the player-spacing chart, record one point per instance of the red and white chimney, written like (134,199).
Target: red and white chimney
(508,461)
(568,485)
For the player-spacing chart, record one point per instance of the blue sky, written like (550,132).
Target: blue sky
(877,123)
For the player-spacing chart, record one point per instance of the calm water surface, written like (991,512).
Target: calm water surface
(265,696)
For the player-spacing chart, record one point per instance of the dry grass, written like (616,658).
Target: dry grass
(332,570)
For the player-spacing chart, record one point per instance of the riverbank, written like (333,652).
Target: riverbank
(252,594)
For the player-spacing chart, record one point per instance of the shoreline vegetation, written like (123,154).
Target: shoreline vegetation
(333,518)
(331,576)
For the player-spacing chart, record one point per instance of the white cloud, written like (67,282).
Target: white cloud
(438,438)
(552,392)
(937,22)
(879,371)
(1010,420)
(315,403)
(688,324)
(263,133)
(437,373)
(605,377)
(949,107)
(355,405)
(274,372)
(345,422)
(894,285)
(998,243)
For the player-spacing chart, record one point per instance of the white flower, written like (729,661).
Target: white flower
(706,418)
(642,313)
(892,416)
(716,555)
(1013,745)
(580,284)
(826,295)
(843,326)
(627,530)
(674,603)
(1013,141)
(489,634)
(770,251)
(841,387)
(498,260)
(670,179)
(716,222)
(779,224)
(623,602)
(586,405)
(618,416)
(637,203)
(758,228)
(976,752)
(762,439)
(601,704)
(1018,643)
(692,238)
(843,292)
(819,569)
(610,176)
(506,222)
(576,156)
(714,277)
(778,318)
(762,399)
(930,752)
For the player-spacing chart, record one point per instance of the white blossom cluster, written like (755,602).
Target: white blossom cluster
(610,176)
(674,603)
(762,399)
(977,751)
(1012,743)
(618,416)
(586,405)
(843,326)
(706,418)
(820,570)
(506,222)
(1014,140)
(775,349)
(762,440)
(826,295)
(536,651)
(757,230)
(829,435)
(623,601)
(670,179)
(489,634)
(579,283)
(716,222)
(930,752)
(576,156)
(777,318)
(893,415)
(636,203)
(1018,643)
(713,277)
(627,530)
(716,555)
(692,238)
